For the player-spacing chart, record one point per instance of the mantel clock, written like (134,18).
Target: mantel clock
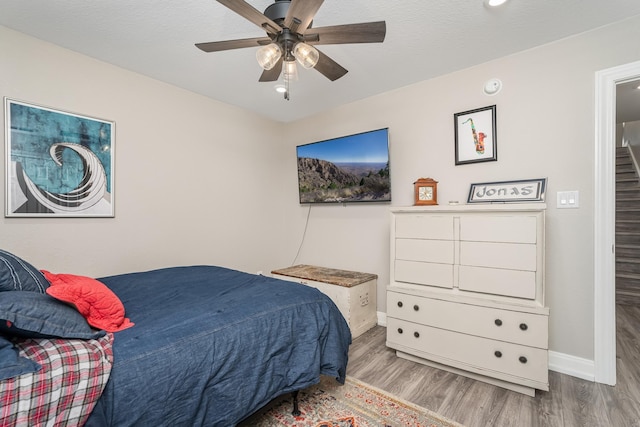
(426,192)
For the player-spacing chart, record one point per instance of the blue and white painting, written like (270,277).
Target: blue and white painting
(58,163)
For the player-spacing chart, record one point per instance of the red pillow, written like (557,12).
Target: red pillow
(97,303)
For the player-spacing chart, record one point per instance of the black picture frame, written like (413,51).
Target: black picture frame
(475,136)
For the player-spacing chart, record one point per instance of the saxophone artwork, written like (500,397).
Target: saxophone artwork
(480,145)
(478,137)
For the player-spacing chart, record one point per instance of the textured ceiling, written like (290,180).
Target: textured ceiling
(424,39)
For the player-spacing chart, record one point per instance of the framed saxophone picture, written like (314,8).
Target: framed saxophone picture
(58,164)
(475,136)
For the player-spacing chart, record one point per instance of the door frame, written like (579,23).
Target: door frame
(604,219)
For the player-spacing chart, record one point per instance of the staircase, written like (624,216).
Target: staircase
(627,229)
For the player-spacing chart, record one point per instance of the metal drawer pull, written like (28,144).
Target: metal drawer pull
(523,326)
(400,330)
(522,359)
(416,308)
(498,353)
(399,303)
(416,334)
(498,322)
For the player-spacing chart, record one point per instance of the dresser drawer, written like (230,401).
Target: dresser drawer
(498,228)
(504,325)
(436,251)
(513,256)
(417,226)
(511,283)
(424,273)
(469,352)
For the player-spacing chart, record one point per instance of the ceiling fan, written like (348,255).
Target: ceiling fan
(290,38)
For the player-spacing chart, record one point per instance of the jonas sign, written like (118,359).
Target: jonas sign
(528,190)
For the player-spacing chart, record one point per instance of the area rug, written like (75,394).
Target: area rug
(355,404)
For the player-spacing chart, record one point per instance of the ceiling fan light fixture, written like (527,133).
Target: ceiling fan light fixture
(269,55)
(306,55)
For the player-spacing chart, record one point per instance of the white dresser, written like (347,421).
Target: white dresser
(354,293)
(467,292)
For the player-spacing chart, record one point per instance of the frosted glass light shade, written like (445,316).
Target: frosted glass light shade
(290,71)
(306,55)
(268,55)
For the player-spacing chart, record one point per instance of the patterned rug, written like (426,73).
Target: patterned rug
(355,404)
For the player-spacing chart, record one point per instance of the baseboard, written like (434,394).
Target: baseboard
(382,318)
(558,362)
(572,365)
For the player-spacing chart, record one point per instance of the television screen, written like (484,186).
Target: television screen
(353,168)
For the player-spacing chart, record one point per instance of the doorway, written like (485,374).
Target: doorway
(604,219)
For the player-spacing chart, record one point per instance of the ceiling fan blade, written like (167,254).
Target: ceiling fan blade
(249,12)
(300,14)
(367,32)
(233,44)
(272,74)
(330,68)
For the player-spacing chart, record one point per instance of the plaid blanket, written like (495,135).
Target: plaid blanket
(65,390)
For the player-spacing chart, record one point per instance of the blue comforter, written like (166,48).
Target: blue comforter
(211,345)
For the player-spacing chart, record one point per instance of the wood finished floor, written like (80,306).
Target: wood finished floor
(570,402)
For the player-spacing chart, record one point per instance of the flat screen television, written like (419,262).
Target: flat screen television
(352,168)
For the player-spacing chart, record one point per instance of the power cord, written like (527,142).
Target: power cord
(304,233)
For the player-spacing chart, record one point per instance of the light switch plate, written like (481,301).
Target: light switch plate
(568,200)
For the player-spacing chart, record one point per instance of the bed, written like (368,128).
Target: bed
(206,346)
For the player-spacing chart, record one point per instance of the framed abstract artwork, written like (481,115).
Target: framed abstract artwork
(58,164)
(475,136)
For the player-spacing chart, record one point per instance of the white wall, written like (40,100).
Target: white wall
(196,181)
(545,115)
